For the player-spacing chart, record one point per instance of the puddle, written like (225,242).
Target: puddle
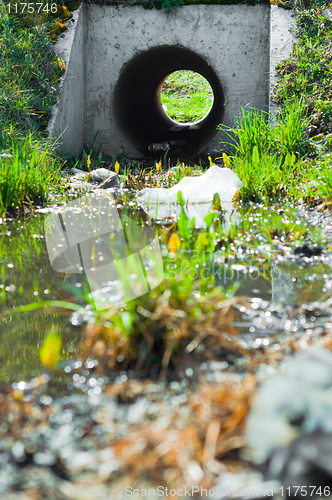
(257,253)
(27,277)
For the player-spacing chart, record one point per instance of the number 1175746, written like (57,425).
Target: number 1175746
(305,491)
(31,8)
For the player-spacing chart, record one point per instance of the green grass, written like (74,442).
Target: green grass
(29,75)
(307,73)
(27,175)
(268,156)
(187,96)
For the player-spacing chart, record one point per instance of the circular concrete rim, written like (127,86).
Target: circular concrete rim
(138,113)
(173,119)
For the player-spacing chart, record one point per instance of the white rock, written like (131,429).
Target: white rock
(216,180)
(304,389)
(197,193)
(101,174)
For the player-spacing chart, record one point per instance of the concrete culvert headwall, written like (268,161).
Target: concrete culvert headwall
(137,103)
(124,54)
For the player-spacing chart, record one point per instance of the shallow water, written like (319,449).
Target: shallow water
(27,277)
(264,270)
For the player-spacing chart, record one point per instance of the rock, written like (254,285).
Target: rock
(309,131)
(77,173)
(295,403)
(47,459)
(77,184)
(327,13)
(110,182)
(18,451)
(197,193)
(305,464)
(101,175)
(201,189)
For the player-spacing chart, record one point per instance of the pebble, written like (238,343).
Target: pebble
(104,176)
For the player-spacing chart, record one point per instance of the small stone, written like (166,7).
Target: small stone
(18,452)
(110,182)
(327,14)
(47,459)
(102,174)
(78,173)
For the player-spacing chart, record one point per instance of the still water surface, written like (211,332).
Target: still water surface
(27,277)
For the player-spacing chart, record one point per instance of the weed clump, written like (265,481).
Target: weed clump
(267,154)
(181,322)
(157,336)
(27,175)
(307,72)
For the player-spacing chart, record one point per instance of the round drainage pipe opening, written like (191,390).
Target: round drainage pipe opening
(138,109)
(186,97)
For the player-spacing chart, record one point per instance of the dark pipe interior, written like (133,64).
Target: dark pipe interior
(137,104)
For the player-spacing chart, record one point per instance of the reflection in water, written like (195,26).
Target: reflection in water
(27,277)
(121,261)
(288,282)
(198,212)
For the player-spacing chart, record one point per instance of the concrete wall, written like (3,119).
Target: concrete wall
(233,39)
(68,115)
(281,45)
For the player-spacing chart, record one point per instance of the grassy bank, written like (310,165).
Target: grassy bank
(29,73)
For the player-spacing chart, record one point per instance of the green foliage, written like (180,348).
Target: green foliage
(289,130)
(28,174)
(252,130)
(29,74)
(168,5)
(307,73)
(267,176)
(285,134)
(319,181)
(268,155)
(187,96)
